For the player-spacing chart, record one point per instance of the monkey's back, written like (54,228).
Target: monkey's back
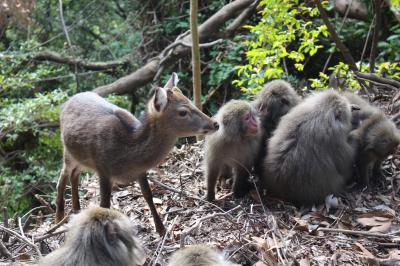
(308,155)
(230,152)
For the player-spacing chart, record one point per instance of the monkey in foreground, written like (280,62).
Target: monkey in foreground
(309,156)
(274,101)
(233,148)
(198,255)
(98,236)
(375,137)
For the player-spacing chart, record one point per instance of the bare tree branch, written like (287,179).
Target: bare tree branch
(342,48)
(375,36)
(389,83)
(63,24)
(348,58)
(146,73)
(61,59)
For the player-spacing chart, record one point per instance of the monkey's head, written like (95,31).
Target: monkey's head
(383,138)
(238,119)
(275,100)
(106,232)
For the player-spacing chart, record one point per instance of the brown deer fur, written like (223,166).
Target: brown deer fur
(110,141)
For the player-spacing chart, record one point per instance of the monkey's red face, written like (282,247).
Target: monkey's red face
(251,124)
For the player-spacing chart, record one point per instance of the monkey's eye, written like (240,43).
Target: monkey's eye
(182,113)
(284,101)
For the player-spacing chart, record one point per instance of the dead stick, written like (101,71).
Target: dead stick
(4,251)
(199,221)
(6,236)
(44,203)
(51,230)
(357,233)
(23,239)
(43,237)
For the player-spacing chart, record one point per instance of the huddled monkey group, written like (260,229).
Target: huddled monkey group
(301,150)
(308,148)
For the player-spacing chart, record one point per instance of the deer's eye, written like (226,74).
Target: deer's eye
(182,113)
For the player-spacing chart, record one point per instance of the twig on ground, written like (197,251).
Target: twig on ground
(23,239)
(51,230)
(4,251)
(163,240)
(20,227)
(199,221)
(48,235)
(44,203)
(357,233)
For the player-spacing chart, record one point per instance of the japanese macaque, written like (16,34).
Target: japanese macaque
(198,255)
(375,138)
(110,141)
(98,236)
(309,155)
(233,148)
(274,101)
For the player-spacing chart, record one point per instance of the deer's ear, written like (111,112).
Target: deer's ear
(172,82)
(160,100)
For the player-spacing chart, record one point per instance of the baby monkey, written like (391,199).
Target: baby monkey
(233,148)
(198,255)
(375,137)
(98,236)
(274,101)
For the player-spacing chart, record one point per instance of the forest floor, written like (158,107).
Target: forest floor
(361,228)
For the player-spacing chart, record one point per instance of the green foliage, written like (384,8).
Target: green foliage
(283,34)
(390,48)
(347,78)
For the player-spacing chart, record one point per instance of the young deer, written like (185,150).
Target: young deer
(118,147)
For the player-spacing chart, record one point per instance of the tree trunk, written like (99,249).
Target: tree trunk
(196,71)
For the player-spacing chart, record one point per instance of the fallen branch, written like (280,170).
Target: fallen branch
(44,203)
(356,233)
(199,221)
(389,83)
(51,230)
(4,251)
(23,239)
(48,235)
(146,73)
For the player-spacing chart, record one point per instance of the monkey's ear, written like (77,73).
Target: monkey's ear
(111,231)
(172,82)
(160,100)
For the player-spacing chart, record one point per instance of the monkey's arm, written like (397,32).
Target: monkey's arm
(364,164)
(241,185)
